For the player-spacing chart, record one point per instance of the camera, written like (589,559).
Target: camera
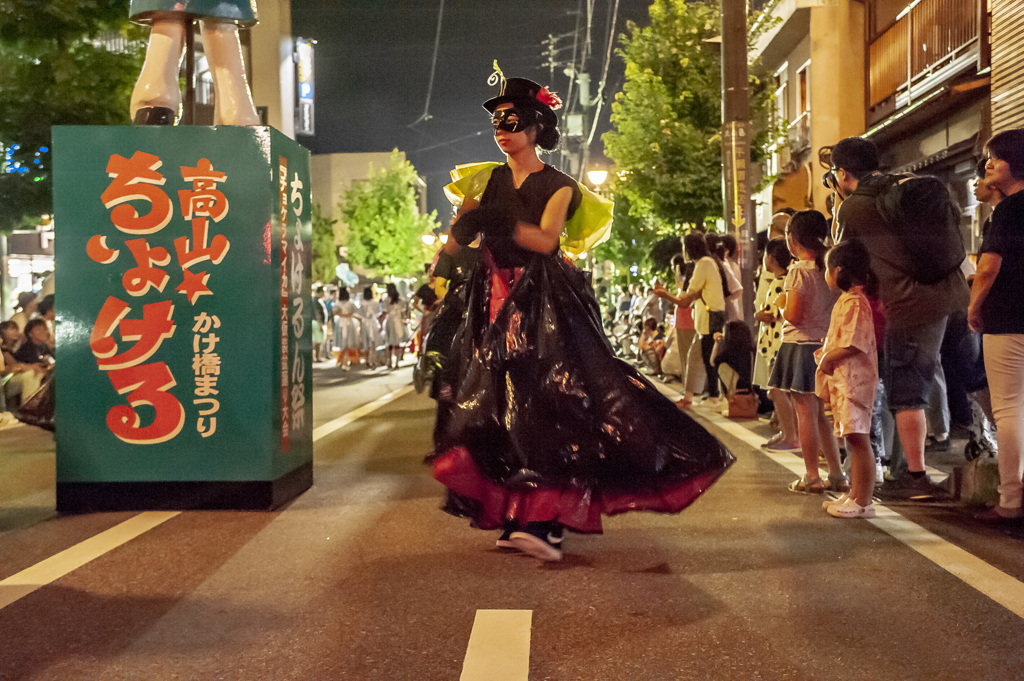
(830,181)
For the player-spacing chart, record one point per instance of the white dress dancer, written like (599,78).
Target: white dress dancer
(372,338)
(396,330)
(346,333)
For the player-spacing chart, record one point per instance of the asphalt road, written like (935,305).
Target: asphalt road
(362,577)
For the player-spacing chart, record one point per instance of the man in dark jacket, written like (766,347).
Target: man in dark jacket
(916,313)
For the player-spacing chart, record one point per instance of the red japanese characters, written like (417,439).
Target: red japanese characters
(126,343)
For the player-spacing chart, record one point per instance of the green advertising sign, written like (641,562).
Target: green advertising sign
(184,373)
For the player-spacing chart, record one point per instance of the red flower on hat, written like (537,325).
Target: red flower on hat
(549,98)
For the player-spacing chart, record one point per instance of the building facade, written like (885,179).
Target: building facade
(810,43)
(927,80)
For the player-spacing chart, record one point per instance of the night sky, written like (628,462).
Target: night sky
(373,62)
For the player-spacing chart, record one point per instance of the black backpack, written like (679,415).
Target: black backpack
(921,213)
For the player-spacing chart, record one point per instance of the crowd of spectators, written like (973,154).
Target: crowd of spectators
(27,342)
(865,345)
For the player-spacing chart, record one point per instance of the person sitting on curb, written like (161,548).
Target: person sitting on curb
(20,379)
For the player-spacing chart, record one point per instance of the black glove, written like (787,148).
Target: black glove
(490,220)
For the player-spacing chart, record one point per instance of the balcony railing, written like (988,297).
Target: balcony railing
(932,34)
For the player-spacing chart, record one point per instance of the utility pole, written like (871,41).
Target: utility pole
(736,142)
(551,53)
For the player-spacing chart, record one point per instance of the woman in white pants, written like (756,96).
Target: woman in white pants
(687,340)
(995,310)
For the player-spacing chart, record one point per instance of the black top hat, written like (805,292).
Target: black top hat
(523,92)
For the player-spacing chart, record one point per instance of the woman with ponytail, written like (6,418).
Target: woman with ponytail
(806,306)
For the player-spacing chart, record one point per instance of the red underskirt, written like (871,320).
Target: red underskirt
(578,510)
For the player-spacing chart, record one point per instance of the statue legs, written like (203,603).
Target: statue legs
(156,99)
(231,89)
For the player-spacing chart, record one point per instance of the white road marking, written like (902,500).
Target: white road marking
(499,646)
(55,567)
(973,571)
(342,421)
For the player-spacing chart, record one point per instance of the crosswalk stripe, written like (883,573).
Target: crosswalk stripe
(973,571)
(499,646)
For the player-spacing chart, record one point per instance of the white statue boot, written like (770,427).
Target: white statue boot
(231,89)
(156,99)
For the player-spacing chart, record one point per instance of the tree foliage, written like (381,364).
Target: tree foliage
(633,237)
(384,223)
(57,70)
(325,251)
(666,136)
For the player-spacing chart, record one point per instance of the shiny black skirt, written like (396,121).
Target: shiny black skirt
(538,421)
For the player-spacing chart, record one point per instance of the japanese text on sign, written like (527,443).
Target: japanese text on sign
(140,207)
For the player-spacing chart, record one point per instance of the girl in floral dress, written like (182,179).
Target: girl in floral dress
(847,373)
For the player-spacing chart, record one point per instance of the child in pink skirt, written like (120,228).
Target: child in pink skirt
(847,374)
(806,305)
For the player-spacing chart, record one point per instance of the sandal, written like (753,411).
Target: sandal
(804,486)
(684,404)
(839,483)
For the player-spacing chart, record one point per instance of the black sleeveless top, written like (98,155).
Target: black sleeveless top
(527,204)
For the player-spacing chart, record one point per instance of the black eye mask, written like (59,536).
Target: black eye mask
(511,120)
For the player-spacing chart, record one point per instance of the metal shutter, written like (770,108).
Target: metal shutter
(1007,64)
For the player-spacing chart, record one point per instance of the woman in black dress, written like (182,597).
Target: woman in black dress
(539,426)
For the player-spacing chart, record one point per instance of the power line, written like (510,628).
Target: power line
(433,66)
(449,142)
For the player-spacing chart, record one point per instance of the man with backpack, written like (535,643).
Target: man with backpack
(911,228)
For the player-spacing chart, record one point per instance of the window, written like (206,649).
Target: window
(803,84)
(781,80)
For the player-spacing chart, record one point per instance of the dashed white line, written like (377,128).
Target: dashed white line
(499,646)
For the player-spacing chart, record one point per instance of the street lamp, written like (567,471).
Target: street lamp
(597,177)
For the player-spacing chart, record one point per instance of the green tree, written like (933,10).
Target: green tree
(666,136)
(633,236)
(383,223)
(59,66)
(325,251)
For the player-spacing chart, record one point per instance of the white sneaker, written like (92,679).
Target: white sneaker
(547,548)
(851,509)
(505,541)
